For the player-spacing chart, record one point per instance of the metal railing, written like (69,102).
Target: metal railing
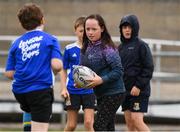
(158,76)
(154,44)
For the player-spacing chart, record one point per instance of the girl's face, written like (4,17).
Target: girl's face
(79,32)
(127,31)
(93,30)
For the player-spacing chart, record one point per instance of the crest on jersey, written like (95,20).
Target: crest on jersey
(136,106)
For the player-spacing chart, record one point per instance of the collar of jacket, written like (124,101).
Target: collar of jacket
(95,43)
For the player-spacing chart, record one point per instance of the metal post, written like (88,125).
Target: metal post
(63,119)
(158,69)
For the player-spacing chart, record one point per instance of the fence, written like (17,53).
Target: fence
(155,45)
(159,75)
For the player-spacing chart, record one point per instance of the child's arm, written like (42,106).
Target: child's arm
(56,65)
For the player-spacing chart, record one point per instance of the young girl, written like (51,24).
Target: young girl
(76,97)
(100,54)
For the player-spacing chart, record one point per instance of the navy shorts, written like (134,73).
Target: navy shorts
(87,101)
(136,103)
(38,103)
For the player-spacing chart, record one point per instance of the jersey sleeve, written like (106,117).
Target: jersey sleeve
(66,59)
(11,61)
(56,53)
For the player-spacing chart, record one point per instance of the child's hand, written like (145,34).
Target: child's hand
(95,81)
(65,93)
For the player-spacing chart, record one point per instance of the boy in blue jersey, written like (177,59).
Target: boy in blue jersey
(76,97)
(33,60)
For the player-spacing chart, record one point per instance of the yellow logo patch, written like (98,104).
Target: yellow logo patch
(136,106)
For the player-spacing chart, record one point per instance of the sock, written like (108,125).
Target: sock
(26,121)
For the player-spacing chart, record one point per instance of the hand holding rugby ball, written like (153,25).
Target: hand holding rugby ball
(81,74)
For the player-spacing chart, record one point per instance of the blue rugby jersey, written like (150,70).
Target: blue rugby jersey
(30,57)
(72,57)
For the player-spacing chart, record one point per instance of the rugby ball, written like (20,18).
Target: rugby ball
(81,74)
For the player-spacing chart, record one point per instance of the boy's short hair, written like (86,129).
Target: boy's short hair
(30,16)
(126,24)
(79,21)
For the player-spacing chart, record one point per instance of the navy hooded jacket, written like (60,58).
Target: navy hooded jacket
(136,58)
